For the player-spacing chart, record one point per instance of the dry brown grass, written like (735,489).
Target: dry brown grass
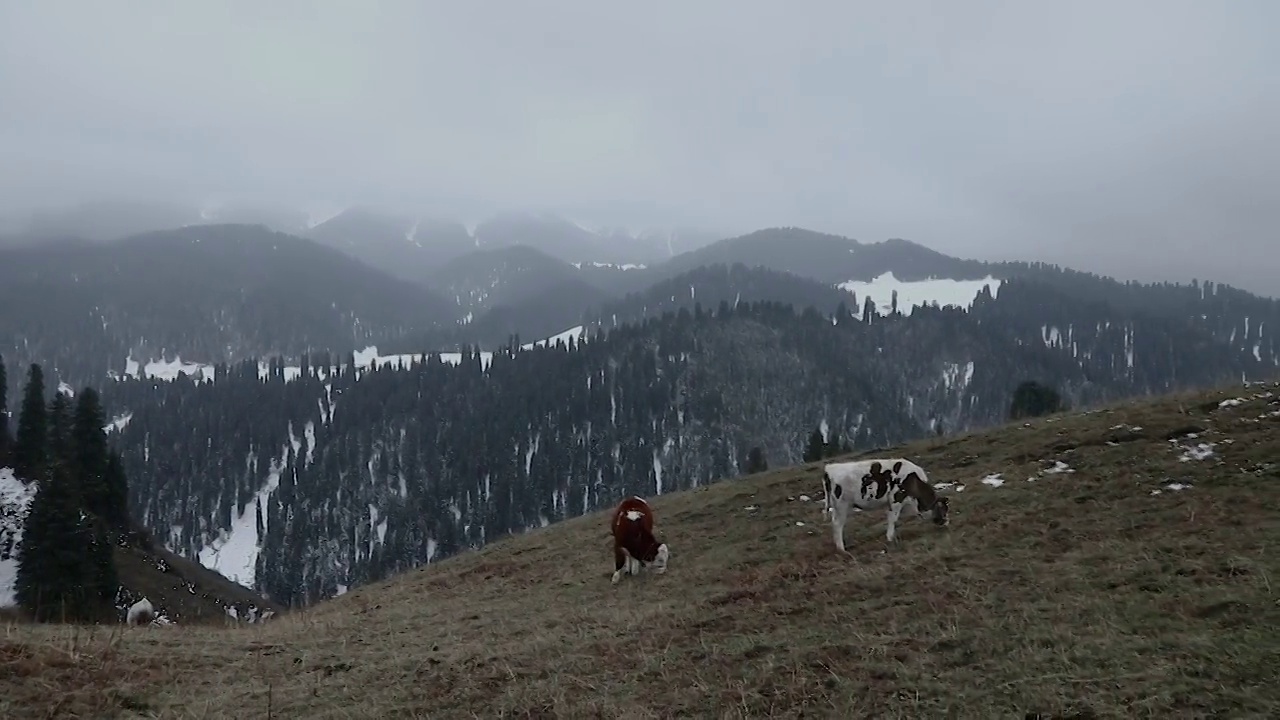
(182,590)
(1077,595)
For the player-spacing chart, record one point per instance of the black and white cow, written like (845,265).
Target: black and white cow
(875,483)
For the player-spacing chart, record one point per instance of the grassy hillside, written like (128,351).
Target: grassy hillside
(184,591)
(1099,592)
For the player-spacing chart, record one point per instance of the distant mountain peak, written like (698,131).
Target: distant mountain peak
(321,214)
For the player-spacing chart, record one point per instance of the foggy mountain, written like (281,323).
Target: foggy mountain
(583,246)
(549,233)
(405,244)
(478,297)
(105,220)
(277,217)
(514,290)
(652,246)
(202,293)
(408,248)
(827,258)
(708,286)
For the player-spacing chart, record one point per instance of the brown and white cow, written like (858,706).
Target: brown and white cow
(878,482)
(633,542)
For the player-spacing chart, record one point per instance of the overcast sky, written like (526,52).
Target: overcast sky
(1136,138)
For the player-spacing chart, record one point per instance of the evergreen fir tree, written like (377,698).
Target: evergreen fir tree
(116,506)
(258,518)
(815,449)
(54,577)
(756,461)
(58,446)
(66,567)
(31,441)
(89,446)
(1032,399)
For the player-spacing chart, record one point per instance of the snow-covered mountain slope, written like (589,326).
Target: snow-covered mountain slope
(15,501)
(887,293)
(234,551)
(708,286)
(919,276)
(365,359)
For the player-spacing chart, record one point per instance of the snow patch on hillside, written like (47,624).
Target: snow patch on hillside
(118,423)
(574,333)
(1055,339)
(166,369)
(234,553)
(369,356)
(917,293)
(15,501)
(956,376)
(172,369)
(616,266)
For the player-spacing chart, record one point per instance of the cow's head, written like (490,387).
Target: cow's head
(660,559)
(940,512)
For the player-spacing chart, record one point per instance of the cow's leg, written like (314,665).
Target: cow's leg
(621,558)
(839,514)
(633,565)
(895,509)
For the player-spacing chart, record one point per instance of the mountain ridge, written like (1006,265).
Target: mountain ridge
(217,292)
(433,322)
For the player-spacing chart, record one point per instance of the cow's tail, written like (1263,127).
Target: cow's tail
(826,492)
